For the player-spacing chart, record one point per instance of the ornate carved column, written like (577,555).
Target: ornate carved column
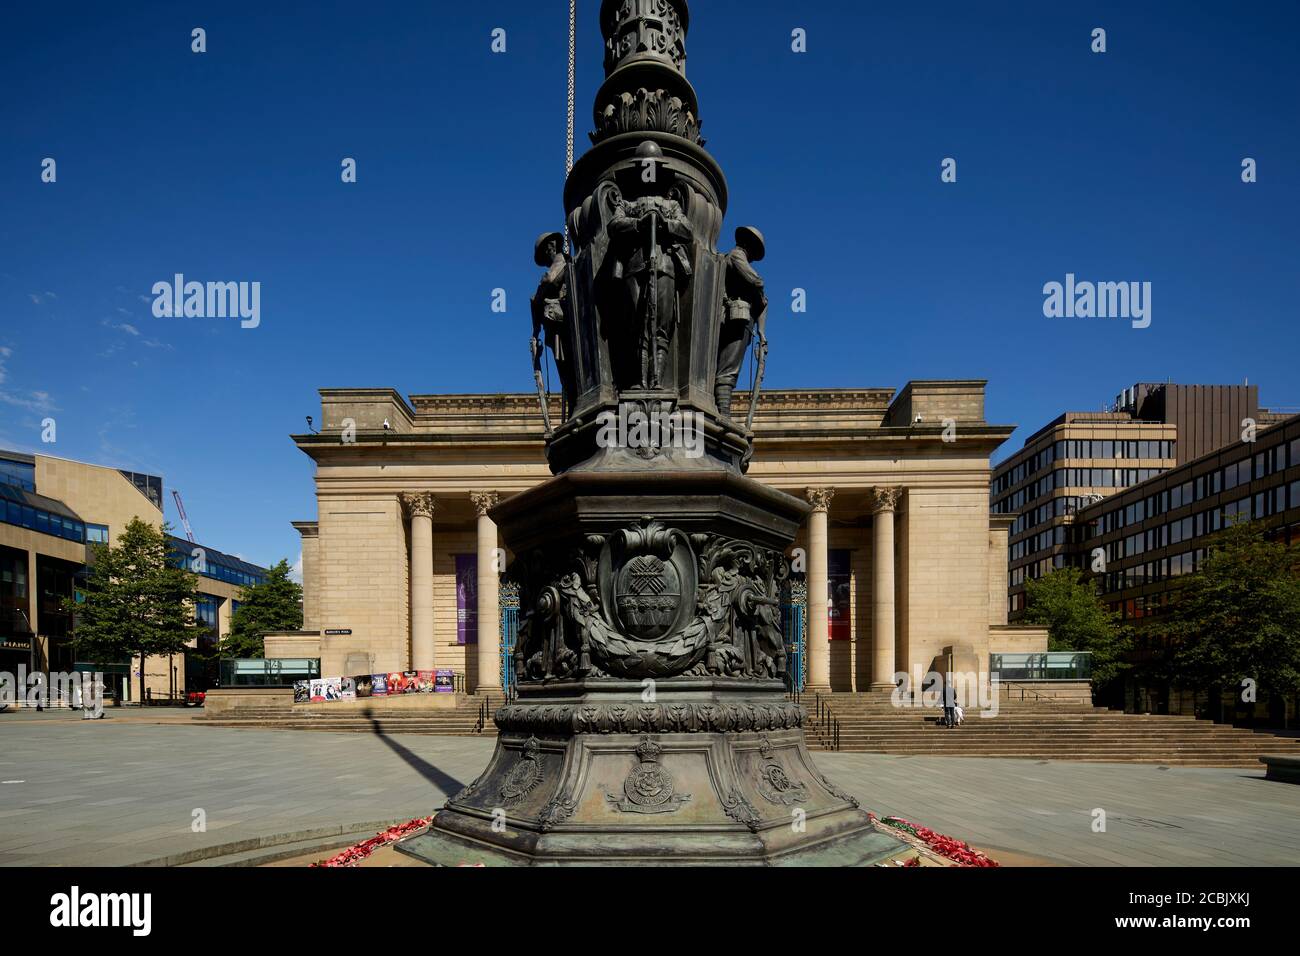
(489,600)
(884,504)
(819,648)
(419,508)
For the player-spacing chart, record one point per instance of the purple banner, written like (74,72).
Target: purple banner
(466,599)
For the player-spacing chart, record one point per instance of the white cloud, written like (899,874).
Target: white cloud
(295,573)
(32,401)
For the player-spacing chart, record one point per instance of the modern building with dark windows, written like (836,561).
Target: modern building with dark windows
(1081,458)
(1156,532)
(52,513)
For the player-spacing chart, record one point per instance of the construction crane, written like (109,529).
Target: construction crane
(180,508)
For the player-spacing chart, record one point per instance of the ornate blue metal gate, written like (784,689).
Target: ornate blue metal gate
(794,623)
(509,630)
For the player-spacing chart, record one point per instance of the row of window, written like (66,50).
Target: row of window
(1264,504)
(1083,448)
(1075,478)
(18,473)
(206,566)
(1238,473)
(44,522)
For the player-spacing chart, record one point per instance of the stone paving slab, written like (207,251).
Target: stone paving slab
(116,792)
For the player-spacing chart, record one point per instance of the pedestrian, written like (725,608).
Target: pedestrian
(949,702)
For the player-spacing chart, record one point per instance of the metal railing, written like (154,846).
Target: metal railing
(1010,685)
(825,724)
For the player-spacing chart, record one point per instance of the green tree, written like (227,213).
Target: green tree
(273,605)
(1238,616)
(1066,603)
(137,603)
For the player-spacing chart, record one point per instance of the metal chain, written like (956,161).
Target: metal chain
(568,155)
(573,30)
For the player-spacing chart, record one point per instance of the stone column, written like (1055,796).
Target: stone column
(885,502)
(420,508)
(819,648)
(489,600)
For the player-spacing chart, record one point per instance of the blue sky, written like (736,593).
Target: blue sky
(1122,166)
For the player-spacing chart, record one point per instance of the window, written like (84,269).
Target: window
(97,534)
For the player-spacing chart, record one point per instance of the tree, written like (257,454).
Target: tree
(273,605)
(1066,603)
(136,601)
(1238,617)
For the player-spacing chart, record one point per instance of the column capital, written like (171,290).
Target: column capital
(885,498)
(419,503)
(819,498)
(484,501)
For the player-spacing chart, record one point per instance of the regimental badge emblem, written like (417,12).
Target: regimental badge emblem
(525,775)
(774,783)
(649,787)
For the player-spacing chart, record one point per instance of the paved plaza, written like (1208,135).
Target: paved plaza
(125,790)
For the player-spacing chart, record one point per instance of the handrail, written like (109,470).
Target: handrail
(1023,689)
(830,738)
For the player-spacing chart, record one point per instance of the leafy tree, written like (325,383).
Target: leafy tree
(136,601)
(273,605)
(1066,603)
(1238,617)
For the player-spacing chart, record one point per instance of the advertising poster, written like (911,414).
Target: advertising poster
(426,681)
(378,685)
(444,681)
(301,691)
(317,690)
(348,689)
(363,684)
(332,688)
(396,683)
(839,582)
(412,679)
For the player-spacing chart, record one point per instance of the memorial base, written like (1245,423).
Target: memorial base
(709,774)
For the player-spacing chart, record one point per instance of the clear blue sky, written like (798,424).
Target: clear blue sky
(225,166)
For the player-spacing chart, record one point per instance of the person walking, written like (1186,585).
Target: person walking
(949,702)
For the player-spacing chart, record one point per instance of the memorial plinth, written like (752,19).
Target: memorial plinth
(651,723)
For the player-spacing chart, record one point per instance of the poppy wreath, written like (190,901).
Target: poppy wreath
(955,850)
(359,851)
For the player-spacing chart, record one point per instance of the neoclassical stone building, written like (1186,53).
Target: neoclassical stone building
(902,562)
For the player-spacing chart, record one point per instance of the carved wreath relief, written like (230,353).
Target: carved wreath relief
(651,601)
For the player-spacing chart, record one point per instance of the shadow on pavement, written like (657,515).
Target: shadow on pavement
(445,782)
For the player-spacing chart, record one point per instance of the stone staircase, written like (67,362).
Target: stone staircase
(1036,729)
(472,716)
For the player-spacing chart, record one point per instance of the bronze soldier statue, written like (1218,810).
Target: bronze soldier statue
(550,321)
(653,257)
(745,304)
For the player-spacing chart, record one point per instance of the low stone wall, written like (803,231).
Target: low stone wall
(227,700)
(232,700)
(1285,769)
(402,704)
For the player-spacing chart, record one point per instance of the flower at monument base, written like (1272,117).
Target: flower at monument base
(359,851)
(946,846)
